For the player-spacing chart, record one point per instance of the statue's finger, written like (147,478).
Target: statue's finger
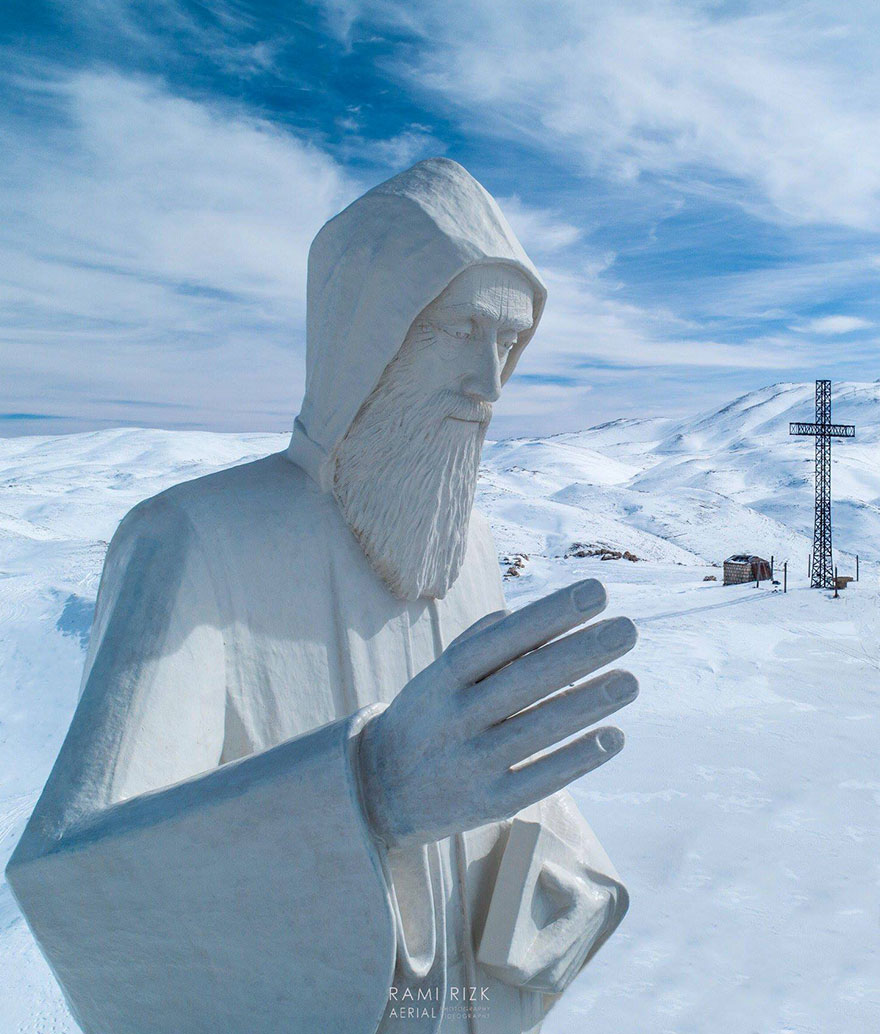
(486,621)
(551,772)
(560,716)
(477,656)
(543,671)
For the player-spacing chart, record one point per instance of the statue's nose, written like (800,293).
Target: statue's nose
(483,379)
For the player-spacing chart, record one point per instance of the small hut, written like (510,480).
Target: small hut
(743,567)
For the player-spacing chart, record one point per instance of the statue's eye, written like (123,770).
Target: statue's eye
(461,331)
(506,342)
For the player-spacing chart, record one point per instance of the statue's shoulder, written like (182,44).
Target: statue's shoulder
(230,502)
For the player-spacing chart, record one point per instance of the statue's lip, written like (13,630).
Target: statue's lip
(476,421)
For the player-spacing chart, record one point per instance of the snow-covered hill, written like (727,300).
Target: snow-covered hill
(744,814)
(693,491)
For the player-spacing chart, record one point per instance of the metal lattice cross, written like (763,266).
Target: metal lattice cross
(822,565)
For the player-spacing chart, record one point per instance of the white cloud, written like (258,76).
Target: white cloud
(397,152)
(586,325)
(783,101)
(775,292)
(540,231)
(155,270)
(831,325)
(156,250)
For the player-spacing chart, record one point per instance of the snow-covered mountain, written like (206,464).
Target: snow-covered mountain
(692,491)
(744,814)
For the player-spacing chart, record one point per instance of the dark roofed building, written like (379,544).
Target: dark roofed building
(744,567)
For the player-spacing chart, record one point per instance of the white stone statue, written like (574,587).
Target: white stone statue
(295,795)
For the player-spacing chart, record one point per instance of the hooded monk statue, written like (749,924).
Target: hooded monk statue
(314,782)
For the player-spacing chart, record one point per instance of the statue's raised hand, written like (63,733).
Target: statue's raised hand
(449,753)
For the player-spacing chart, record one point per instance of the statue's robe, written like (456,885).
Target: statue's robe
(199,860)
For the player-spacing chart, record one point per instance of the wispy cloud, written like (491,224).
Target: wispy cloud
(401,150)
(783,99)
(541,230)
(157,250)
(698,183)
(833,325)
(597,357)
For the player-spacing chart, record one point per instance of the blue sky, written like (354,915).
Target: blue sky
(698,182)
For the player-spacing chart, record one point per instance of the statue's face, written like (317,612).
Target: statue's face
(407,469)
(462,340)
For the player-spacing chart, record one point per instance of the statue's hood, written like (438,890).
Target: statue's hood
(372,269)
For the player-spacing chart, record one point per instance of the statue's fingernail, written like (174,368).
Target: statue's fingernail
(588,595)
(625,687)
(610,740)
(621,632)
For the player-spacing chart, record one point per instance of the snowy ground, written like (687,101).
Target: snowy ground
(744,814)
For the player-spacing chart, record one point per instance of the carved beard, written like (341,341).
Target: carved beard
(405,477)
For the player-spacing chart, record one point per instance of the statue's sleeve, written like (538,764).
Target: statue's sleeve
(174,896)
